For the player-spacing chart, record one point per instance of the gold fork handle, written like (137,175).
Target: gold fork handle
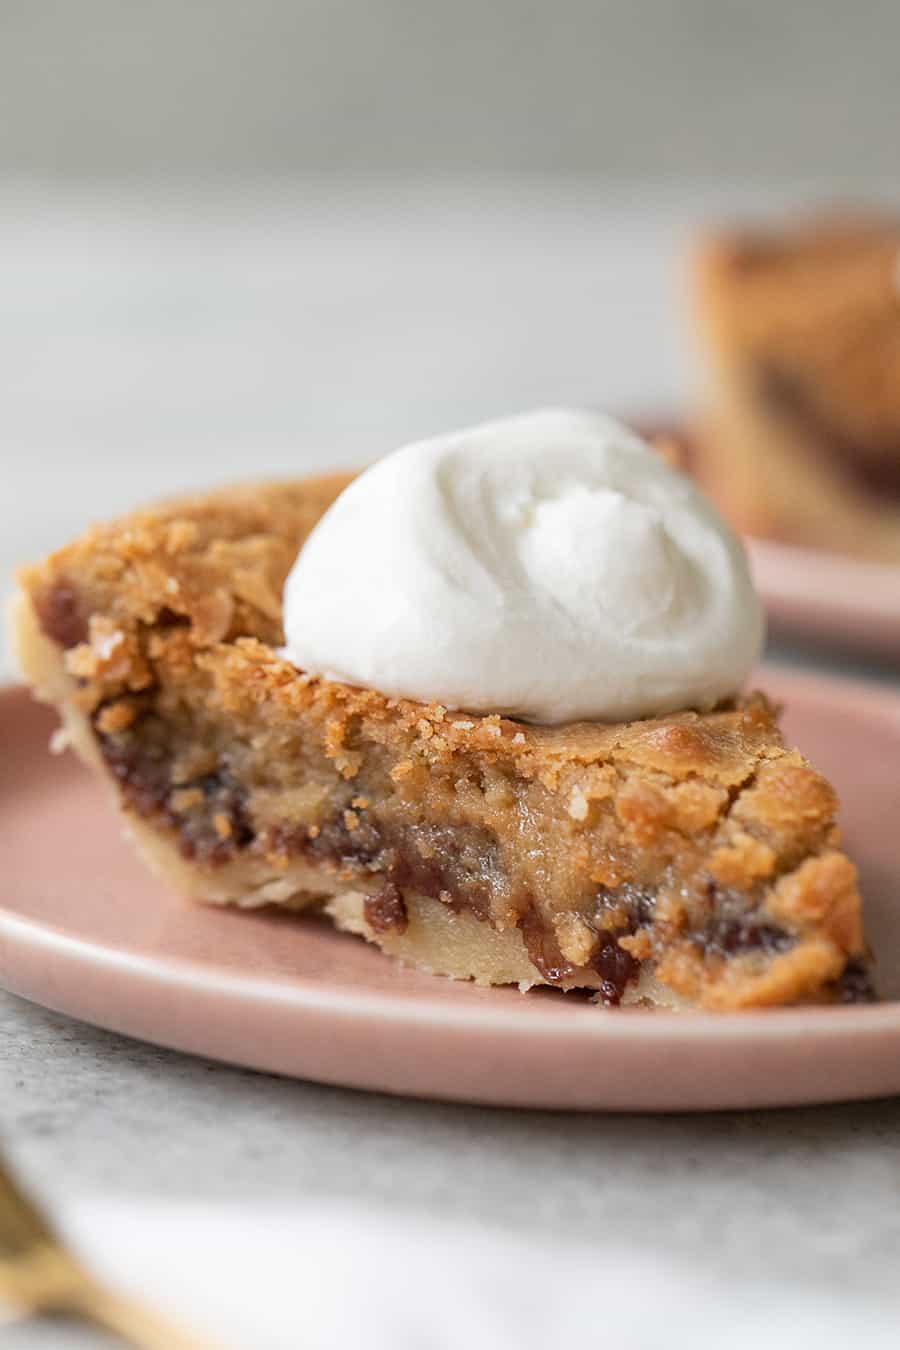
(134,1324)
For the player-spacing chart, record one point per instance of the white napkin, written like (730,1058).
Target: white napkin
(327,1278)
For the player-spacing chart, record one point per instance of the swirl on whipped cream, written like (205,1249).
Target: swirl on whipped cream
(550,566)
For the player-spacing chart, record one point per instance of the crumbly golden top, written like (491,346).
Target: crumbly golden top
(821,302)
(218,561)
(215,566)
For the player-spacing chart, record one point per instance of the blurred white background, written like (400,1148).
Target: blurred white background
(239,240)
(603,88)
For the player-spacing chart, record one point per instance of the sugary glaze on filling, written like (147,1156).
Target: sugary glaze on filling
(812,317)
(698,844)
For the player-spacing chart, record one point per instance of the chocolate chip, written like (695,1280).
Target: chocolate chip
(616,968)
(386,911)
(456,864)
(141,760)
(735,937)
(855,984)
(632,905)
(60,616)
(543,949)
(334,841)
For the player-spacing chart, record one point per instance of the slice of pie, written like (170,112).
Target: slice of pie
(690,860)
(801,330)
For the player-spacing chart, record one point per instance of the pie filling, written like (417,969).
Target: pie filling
(171,771)
(458,865)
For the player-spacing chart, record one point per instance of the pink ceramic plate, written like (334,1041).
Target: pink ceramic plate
(828,596)
(84,930)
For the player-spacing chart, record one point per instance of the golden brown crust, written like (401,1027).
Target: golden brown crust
(218,560)
(695,843)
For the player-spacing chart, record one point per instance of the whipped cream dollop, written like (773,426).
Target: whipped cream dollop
(550,566)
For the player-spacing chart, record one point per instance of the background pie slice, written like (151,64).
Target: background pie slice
(801,330)
(691,860)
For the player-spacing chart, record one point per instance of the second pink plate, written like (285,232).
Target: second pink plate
(828,597)
(84,930)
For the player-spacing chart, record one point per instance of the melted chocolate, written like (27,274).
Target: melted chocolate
(736,937)
(335,842)
(459,866)
(632,902)
(142,766)
(543,949)
(616,968)
(855,984)
(386,911)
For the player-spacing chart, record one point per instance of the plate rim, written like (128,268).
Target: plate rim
(845,601)
(581,1021)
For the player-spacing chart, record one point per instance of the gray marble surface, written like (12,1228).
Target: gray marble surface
(811,1197)
(811,1193)
(148,347)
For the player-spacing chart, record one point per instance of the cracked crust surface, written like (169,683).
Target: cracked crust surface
(693,855)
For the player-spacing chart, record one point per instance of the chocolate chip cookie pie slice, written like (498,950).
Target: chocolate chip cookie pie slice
(687,860)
